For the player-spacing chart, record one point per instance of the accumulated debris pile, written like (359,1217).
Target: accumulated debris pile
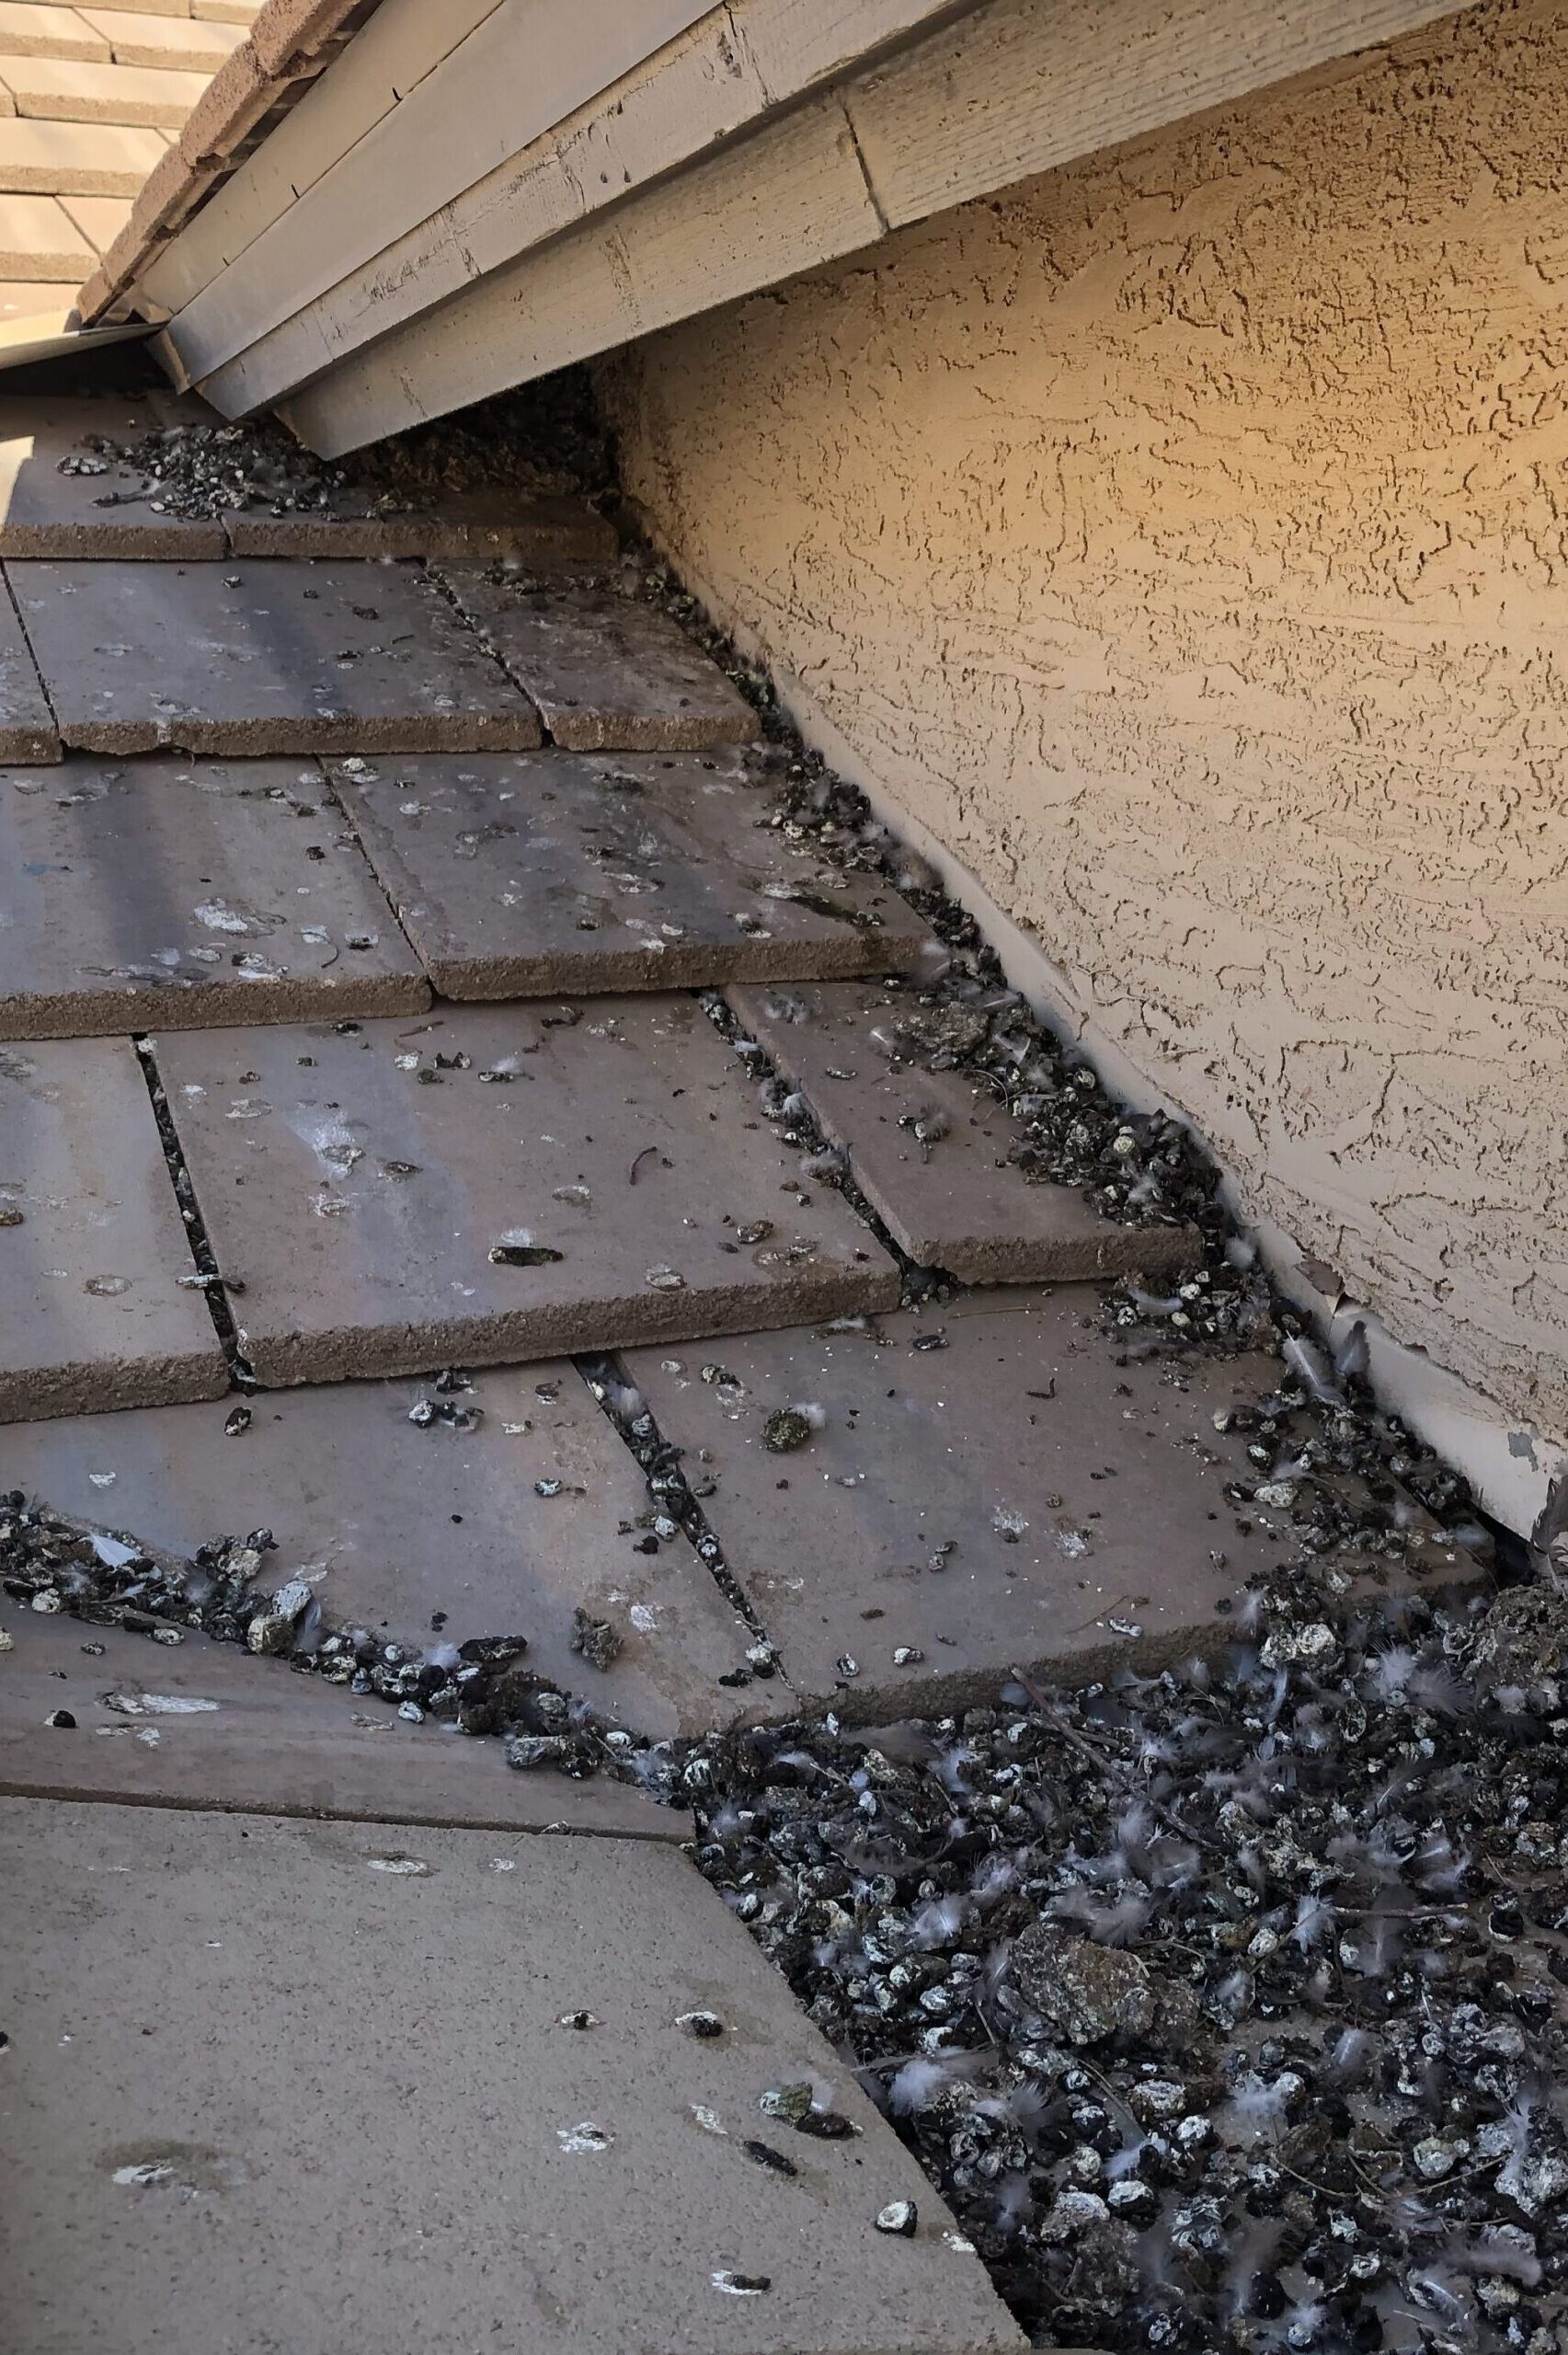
(961,1014)
(542,439)
(52,1564)
(210,470)
(1228,2004)
(1229,2007)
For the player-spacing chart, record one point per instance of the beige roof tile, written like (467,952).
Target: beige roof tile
(99,218)
(177,41)
(70,90)
(141,7)
(27,30)
(77,159)
(232,103)
(290,28)
(30,298)
(39,240)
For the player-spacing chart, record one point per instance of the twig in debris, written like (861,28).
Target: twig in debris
(1104,1762)
(637,1162)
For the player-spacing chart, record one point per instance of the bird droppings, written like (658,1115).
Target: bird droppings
(598,1641)
(1210,1998)
(1225,2002)
(900,2216)
(193,470)
(401,1868)
(790,1428)
(157,1705)
(699,2024)
(791,2103)
(585,2136)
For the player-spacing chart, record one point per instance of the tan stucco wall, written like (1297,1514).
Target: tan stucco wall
(1182,537)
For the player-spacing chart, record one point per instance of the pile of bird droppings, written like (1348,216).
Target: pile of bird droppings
(212,470)
(544,438)
(52,1563)
(1229,2007)
(1139,1168)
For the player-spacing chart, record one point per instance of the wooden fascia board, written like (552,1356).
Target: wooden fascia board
(732,68)
(527,66)
(748,219)
(1014,87)
(387,59)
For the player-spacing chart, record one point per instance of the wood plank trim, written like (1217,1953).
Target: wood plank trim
(740,63)
(521,71)
(402,42)
(924,136)
(748,216)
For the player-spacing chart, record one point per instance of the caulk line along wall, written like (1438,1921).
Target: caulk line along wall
(1182,538)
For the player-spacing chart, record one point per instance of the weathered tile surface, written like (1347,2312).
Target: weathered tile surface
(358,1188)
(46,513)
(277,1742)
(608,673)
(523,873)
(92,1314)
(1079,1493)
(481,525)
(258,658)
(168,893)
(397,1525)
(358,2096)
(953,1202)
(28,731)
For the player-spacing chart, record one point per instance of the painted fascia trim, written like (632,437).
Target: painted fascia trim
(1013,88)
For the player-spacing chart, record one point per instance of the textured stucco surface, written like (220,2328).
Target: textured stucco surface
(1182,537)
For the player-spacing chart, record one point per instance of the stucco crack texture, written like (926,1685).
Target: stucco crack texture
(1183,538)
